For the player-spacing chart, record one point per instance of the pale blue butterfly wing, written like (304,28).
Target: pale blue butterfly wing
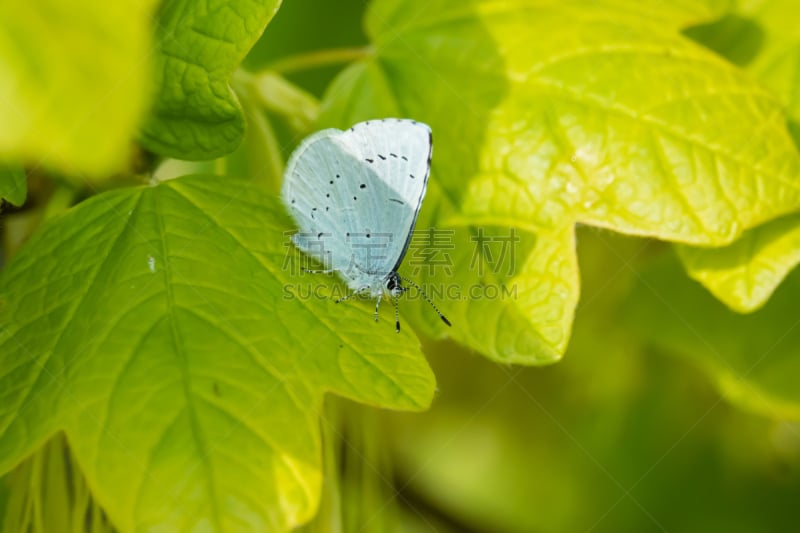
(356,194)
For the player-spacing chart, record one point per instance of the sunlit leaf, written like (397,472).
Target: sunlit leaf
(167,332)
(744,274)
(615,120)
(762,35)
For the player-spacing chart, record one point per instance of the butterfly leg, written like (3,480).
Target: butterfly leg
(377,306)
(352,294)
(396,315)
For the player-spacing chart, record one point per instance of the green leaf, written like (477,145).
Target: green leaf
(167,332)
(13,184)
(744,274)
(545,115)
(74,81)
(764,36)
(200,44)
(753,359)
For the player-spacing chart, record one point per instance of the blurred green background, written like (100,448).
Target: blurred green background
(617,437)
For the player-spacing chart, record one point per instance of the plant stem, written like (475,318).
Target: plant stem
(319,58)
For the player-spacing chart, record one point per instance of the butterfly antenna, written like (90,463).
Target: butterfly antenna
(396,315)
(444,318)
(318,271)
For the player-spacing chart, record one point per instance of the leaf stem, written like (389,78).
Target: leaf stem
(319,58)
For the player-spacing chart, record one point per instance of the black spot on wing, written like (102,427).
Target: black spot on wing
(368,160)
(363,186)
(404,158)
(382,158)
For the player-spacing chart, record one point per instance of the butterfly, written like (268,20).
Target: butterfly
(356,196)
